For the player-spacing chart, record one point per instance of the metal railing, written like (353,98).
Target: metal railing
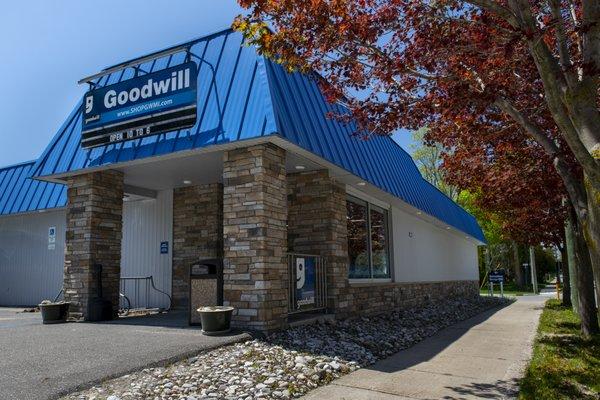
(135,292)
(309,272)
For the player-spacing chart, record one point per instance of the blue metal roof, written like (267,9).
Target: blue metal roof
(20,193)
(241,96)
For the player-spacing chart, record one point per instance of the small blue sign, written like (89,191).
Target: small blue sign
(164,247)
(497,278)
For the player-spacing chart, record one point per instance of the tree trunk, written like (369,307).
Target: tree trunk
(566,295)
(591,231)
(517,264)
(572,264)
(585,282)
(532,266)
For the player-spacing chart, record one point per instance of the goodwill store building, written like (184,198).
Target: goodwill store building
(207,150)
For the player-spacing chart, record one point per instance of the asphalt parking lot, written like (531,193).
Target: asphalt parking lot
(47,361)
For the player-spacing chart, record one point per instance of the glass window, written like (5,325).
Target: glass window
(358,240)
(379,251)
(367,240)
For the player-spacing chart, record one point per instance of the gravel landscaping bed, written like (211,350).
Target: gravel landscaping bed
(290,363)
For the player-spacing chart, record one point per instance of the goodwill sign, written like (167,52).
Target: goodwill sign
(305,282)
(145,105)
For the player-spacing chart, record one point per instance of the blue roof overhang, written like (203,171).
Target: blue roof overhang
(339,173)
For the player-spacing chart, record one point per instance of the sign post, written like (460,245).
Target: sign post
(533,269)
(496,277)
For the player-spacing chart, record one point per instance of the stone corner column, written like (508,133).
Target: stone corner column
(317,225)
(255,236)
(94,233)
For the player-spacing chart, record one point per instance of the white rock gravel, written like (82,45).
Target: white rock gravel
(289,363)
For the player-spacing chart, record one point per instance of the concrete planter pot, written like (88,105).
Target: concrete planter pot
(54,313)
(215,320)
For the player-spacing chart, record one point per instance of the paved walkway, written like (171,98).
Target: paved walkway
(482,357)
(40,362)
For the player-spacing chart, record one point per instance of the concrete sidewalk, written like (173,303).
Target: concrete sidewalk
(482,357)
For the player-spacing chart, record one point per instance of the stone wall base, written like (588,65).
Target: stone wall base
(375,298)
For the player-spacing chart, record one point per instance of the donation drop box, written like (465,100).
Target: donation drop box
(206,286)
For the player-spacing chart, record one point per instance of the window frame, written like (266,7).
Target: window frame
(386,215)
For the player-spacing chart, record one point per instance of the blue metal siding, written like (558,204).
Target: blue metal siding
(240,96)
(20,193)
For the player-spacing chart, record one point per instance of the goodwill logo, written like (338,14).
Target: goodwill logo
(305,281)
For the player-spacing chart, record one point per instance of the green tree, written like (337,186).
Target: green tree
(428,157)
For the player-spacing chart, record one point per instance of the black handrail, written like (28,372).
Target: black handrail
(152,285)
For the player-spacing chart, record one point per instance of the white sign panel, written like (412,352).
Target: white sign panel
(52,238)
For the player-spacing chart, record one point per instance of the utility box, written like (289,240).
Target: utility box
(206,286)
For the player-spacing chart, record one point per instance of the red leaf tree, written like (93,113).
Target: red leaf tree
(471,71)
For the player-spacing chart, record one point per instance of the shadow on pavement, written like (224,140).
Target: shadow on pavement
(498,390)
(432,346)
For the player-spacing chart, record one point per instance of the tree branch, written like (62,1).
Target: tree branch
(590,23)
(563,44)
(495,8)
(533,130)
(573,110)
(574,186)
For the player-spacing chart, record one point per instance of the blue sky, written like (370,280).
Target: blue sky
(47,46)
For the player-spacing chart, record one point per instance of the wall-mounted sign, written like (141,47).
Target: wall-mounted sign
(52,238)
(305,281)
(164,247)
(146,105)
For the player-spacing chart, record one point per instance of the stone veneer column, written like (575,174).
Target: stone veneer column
(317,225)
(197,233)
(254,230)
(94,232)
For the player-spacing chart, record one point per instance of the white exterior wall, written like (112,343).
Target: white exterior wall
(29,271)
(424,252)
(147,223)
(421,251)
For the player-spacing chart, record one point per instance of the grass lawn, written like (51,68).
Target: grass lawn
(564,366)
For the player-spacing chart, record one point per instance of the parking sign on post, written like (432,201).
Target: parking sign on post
(496,277)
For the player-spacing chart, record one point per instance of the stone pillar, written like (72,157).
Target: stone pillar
(254,230)
(94,232)
(317,225)
(197,233)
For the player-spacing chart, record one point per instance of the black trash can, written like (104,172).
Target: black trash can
(99,309)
